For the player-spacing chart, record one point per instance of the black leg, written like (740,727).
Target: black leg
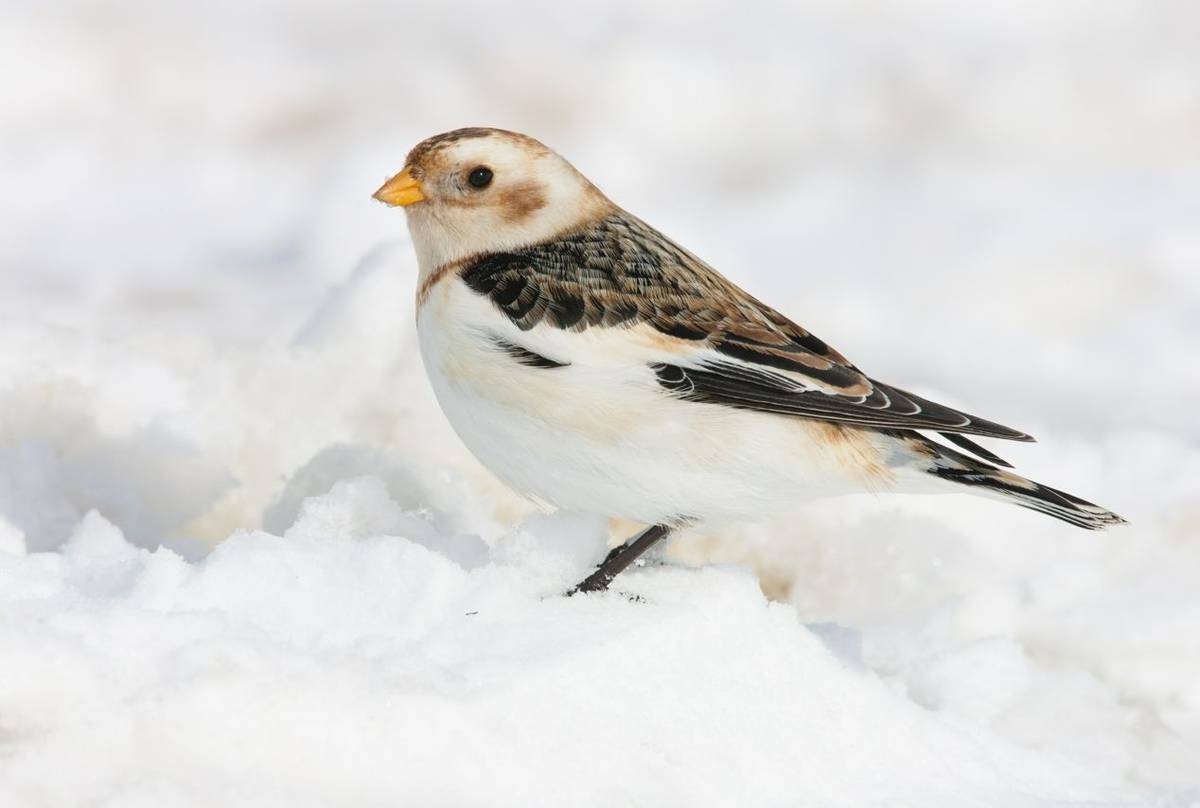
(621,557)
(616,551)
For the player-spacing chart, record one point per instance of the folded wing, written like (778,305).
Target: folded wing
(731,349)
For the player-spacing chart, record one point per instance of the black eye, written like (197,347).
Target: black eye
(480,177)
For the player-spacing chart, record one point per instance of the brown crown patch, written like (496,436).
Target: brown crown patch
(432,145)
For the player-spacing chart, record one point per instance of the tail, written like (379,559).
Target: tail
(948,464)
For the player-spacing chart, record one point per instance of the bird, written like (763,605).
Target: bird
(593,364)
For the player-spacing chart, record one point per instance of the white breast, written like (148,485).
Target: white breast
(601,435)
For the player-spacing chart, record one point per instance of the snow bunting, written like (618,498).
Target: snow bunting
(594,364)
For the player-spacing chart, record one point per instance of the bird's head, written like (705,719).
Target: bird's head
(479,190)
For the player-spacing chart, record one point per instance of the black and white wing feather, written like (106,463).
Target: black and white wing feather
(727,347)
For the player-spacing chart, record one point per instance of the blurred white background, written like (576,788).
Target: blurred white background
(1029,168)
(996,204)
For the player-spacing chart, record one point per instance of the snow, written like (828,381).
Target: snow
(342,662)
(244,560)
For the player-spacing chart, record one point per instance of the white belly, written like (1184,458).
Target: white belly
(600,434)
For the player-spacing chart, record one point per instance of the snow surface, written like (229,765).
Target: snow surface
(244,560)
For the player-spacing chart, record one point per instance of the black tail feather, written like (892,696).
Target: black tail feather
(1035,496)
(963,442)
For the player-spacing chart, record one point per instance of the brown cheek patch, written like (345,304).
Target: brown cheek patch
(520,201)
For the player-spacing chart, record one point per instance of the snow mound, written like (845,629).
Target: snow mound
(367,658)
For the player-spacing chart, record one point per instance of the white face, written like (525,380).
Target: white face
(478,191)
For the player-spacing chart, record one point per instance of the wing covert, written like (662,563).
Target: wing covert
(619,273)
